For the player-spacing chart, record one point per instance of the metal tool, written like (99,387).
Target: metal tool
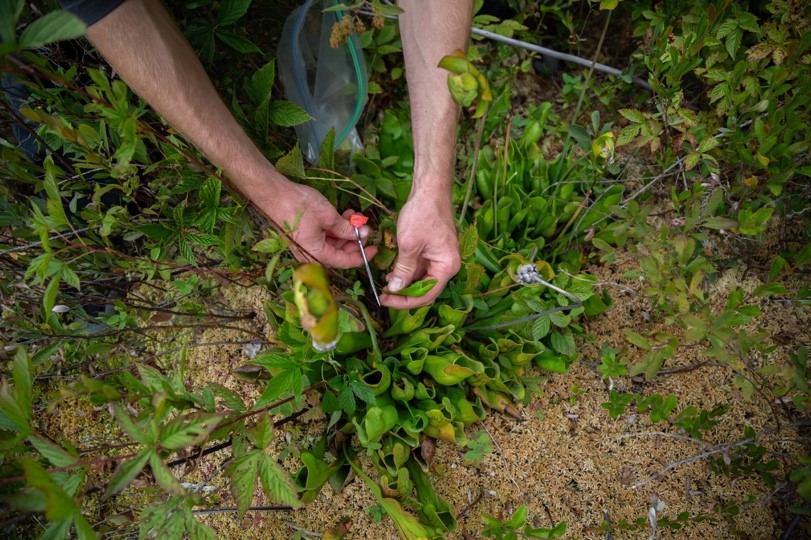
(357,221)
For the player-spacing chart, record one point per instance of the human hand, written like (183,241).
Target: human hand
(318,230)
(428,248)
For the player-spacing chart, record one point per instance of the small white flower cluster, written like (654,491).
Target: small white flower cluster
(528,274)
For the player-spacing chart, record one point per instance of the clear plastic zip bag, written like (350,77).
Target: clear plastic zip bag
(330,84)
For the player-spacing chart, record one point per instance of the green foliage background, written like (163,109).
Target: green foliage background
(117,201)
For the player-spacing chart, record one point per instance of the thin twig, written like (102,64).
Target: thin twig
(231,509)
(476,146)
(501,453)
(302,529)
(660,434)
(591,69)
(719,449)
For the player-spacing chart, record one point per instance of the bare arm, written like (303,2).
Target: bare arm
(142,42)
(426,235)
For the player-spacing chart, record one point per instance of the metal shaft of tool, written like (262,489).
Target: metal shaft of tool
(366,263)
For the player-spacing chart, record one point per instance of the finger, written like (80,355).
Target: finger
(337,258)
(339,227)
(408,302)
(405,268)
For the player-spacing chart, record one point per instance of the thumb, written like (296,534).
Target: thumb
(404,269)
(340,227)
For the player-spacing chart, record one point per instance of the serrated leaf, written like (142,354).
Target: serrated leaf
(637,339)
(277,483)
(326,159)
(56,455)
(54,26)
(563,343)
(23,382)
(280,384)
(287,114)
(260,84)
(468,240)
(262,433)
(292,163)
(733,41)
(635,116)
(163,475)
(126,472)
(230,399)
(187,431)
(130,427)
(540,328)
(49,298)
(83,529)
(231,11)
(243,472)
(346,400)
(628,134)
(237,42)
(362,392)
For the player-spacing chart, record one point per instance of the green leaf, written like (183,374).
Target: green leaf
(416,289)
(163,475)
(56,531)
(468,240)
(188,431)
(237,42)
(720,223)
(326,158)
(280,384)
(540,327)
(287,114)
(292,164)
(386,9)
(54,26)
(362,392)
(83,529)
(628,134)
(519,516)
(230,399)
(12,417)
(277,483)
(563,343)
(10,11)
(637,340)
(49,298)
(126,472)
(260,84)
(635,116)
(57,456)
(243,473)
(60,505)
(231,11)
(130,427)
(617,403)
(608,5)
(262,434)
(23,382)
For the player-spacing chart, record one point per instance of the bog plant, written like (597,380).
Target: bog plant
(115,205)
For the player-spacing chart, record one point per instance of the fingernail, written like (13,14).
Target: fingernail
(364,231)
(395,284)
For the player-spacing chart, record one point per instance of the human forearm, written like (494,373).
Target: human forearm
(142,42)
(431,30)
(426,235)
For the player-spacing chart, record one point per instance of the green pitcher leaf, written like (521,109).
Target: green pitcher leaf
(417,289)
